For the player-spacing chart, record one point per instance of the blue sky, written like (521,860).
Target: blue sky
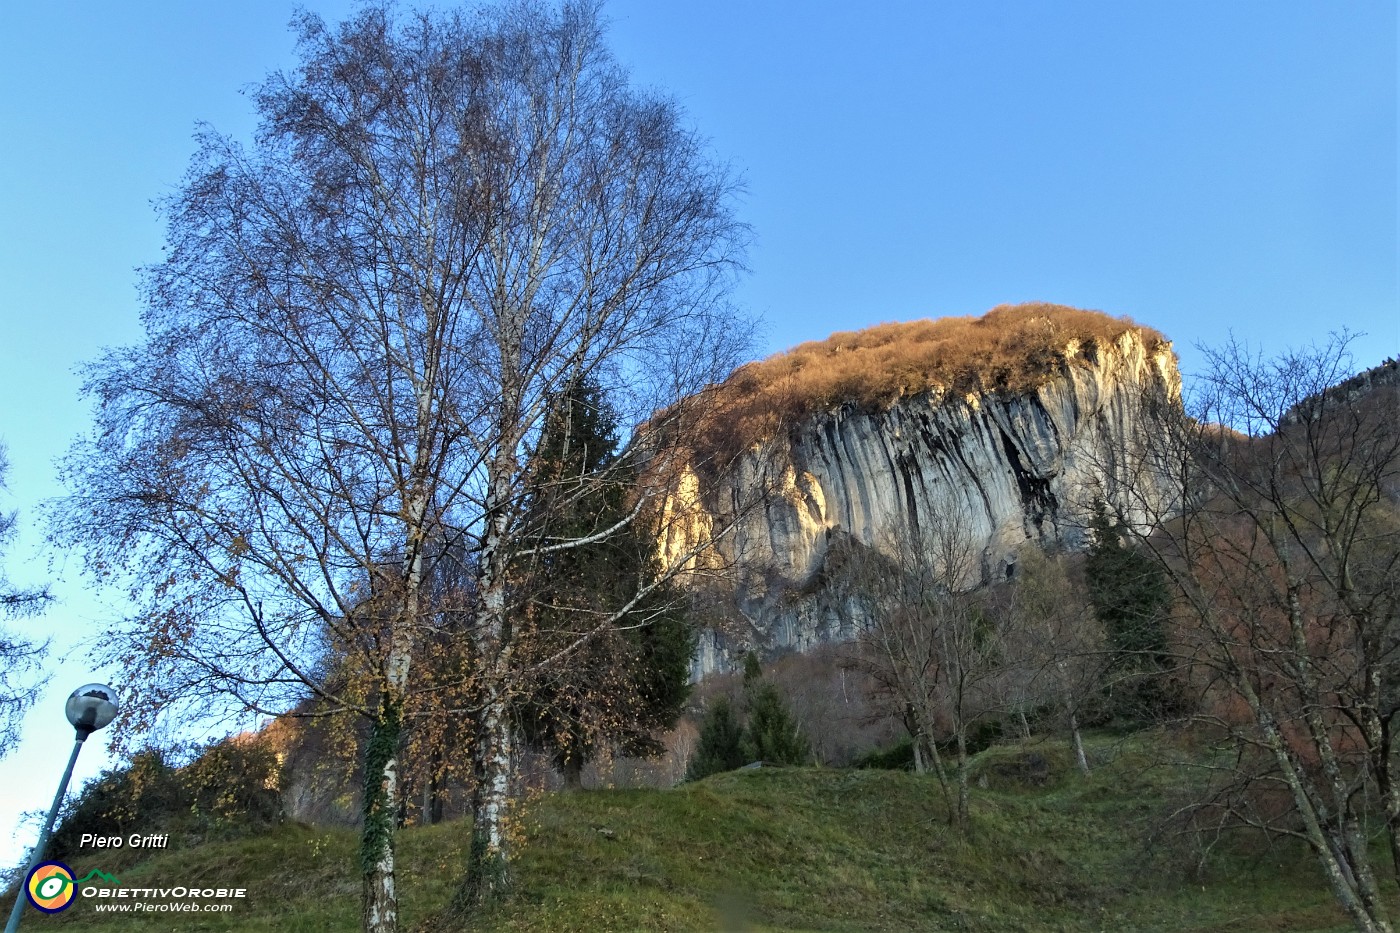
(1203,167)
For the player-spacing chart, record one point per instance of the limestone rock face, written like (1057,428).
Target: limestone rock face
(1015,468)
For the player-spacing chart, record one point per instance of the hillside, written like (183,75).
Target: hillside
(798,849)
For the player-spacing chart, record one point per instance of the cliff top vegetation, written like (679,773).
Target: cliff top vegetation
(1012,348)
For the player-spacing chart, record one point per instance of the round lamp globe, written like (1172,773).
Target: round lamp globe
(91,707)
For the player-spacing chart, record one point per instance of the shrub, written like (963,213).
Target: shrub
(234,782)
(144,796)
(229,788)
(899,757)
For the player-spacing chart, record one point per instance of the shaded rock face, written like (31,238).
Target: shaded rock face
(1014,468)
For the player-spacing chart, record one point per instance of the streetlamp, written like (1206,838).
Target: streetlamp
(89,708)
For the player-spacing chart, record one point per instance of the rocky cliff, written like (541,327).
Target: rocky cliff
(1008,424)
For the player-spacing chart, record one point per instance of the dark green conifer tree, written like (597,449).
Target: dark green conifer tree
(1130,597)
(721,742)
(772,734)
(631,679)
(753,670)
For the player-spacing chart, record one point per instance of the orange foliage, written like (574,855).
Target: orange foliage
(1012,348)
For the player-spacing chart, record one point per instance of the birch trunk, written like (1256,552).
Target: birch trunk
(381,794)
(963,815)
(924,738)
(1080,758)
(379,898)
(488,870)
(1365,913)
(487,875)
(381,802)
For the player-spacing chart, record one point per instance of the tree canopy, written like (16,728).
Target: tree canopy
(351,347)
(19,656)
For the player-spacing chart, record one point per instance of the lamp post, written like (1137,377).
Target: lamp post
(89,708)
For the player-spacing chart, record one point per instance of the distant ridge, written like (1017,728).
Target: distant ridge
(1363,383)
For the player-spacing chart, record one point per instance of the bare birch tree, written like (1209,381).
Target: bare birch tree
(928,641)
(1285,560)
(20,657)
(1056,655)
(350,349)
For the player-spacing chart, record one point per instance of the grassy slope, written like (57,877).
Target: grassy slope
(788,849)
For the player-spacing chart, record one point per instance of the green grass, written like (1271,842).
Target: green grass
(791,849)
